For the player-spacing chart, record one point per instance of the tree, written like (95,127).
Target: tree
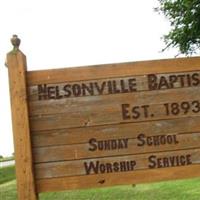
(184,17)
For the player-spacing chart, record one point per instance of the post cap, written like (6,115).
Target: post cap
(15,41)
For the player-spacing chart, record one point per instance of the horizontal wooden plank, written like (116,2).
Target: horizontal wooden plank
(75,105)
(116,85)
(112,70)
(113,113)
(129,130)
(117,164)
(92,111)
(117,147)
(92,87)
(102,180)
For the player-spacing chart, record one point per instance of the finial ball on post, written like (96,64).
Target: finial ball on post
(15,42)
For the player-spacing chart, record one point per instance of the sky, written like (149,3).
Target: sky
(69,33)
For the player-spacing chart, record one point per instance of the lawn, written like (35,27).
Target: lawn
(171,190)
(7,174)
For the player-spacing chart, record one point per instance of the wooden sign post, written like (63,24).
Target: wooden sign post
(105,125)
(16,62)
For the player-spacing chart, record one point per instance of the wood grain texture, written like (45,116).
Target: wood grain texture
(141,82)
(130,130)
(97,181)
(21,132)
(64,119)
(81,151)
(76,167)
(90,111)
(92,103)
(113,70)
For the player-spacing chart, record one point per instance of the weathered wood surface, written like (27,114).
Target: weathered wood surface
(90,111)
(23,155)
(72,109)
(121,85)
(130,146)
(72,136)
(99,180)
(113,70)
(76,167)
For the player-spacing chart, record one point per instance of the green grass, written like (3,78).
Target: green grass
(171,190)
(7,174)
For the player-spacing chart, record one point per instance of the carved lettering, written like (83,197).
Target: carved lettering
(46,92)
(101,168)
(169,161)
(135,112)
(156,140)
(156,82)
(105,145)
(126,85)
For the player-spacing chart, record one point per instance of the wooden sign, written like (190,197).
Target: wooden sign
(107,125)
